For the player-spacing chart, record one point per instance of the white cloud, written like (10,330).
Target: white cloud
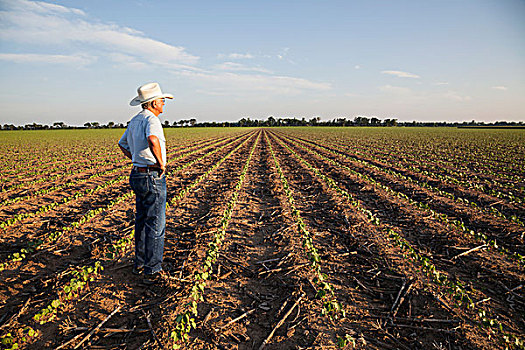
(502,88)
(71,33)
(45,24)
(236,56)
(243,84)
(175,66)
(232,66)
(441,83)
(78,60)
(357,66)
(39,6)
(127,61)
(401,74)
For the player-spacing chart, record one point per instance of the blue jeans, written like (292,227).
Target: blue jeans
(150,219)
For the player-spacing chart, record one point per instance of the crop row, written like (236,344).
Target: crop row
(53,161)
(331,307)
(19,337)
(422,172)
(50,178)
(186,319)
(491,210)
(469,163)
(194,184)
(454,288)
(488,209)
(185,165)
(397,148)
(120,165)
(458,292)
(476,156)
(454,224)
(45,208)
(65,161)
(82,275)
(79,281)
(22,179)
(67,293)
(53,236)
(466,180)
(57,187)
(125,241)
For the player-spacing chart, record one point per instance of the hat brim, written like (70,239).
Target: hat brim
(137,101)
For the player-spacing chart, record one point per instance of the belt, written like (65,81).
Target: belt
(145,169)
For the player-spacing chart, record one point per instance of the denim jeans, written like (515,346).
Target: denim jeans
(150,219)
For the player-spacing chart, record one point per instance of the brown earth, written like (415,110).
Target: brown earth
(263,268)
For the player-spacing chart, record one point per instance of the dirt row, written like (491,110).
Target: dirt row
(399,161)
(263,269)
(379,270)
(506,232)
(485,173)
(486,272)
(79,172)
(78,249)
(475,161)
(64,214)
(489,180)
(187,231)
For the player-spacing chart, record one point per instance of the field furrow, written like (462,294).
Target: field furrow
(426,241)
(375,282)
(493,230)
(99,235)
(276,238)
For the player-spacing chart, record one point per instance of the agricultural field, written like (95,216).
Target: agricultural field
(276,238)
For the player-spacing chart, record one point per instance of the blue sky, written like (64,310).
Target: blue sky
(78,61)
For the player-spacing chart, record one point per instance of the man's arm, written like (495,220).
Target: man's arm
(125,151)
(154,146)
(123,144)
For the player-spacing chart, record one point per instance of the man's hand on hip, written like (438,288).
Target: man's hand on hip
(154,145)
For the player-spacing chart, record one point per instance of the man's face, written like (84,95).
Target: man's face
(159,105)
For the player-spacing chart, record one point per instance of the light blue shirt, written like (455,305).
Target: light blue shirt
(135,138)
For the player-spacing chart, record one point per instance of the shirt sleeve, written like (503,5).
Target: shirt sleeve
(124,140)
(154,127)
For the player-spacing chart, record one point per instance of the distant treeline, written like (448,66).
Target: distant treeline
(272,121)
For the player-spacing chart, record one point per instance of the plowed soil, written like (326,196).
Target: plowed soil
(262,291)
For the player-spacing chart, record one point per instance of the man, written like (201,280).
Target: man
(144,143)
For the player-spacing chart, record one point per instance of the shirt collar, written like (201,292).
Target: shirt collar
(147,112)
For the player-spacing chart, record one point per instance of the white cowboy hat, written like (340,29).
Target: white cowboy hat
(149,92)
